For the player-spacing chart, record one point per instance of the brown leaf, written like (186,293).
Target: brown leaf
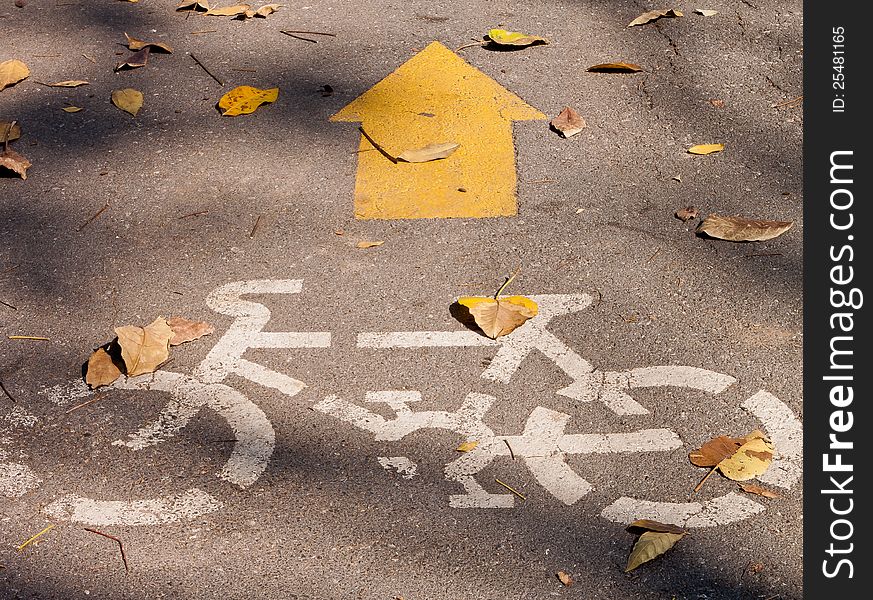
(716,102)
(499,316)
(366,244)
(13,161)
(653,15)
(144,348)
(101,369)
(428,153)
(565,578)
(651,544)
(615,67)
(715,450)
(135,60)
(740,229)
(752,488)
(649,525)
(67,84)
(228,11)
(263,11)
(687,213)
(135,44)
(129,100)
(568,123)
(11,72)
(9,131)
(194,5)
(185,330)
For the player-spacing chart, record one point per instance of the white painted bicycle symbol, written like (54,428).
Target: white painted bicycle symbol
(543,444)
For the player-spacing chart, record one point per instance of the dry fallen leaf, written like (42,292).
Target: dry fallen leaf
(615,67)
(568,122)
(705,12)
(653,15)
(705,149)
(514,38)
(740,229)
(263,11)
(9,131)
(655,540)
(101,369)
(565,578)
(135,60)
(67,84)
(135,44)
(185,330)
(72,109)
(228,11)
(752,459)
(245,99)
(13,161)
(467,446)
(499,316)
(11,72)
(715,450)
(752,488)
(641,525)
(366,244)
(428,153)
(144,348)
(687,213)
(194,5)
(129,100)
(716,102)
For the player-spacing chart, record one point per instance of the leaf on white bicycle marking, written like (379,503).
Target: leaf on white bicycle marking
(715,450)
(740,229)
(499,316)
(752,459)
(751,488)
(144,348)
(467,446)
(101,369)
(648,525)
(651,544)
(185,330)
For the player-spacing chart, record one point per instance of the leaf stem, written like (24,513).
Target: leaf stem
(702,481)
(507,282)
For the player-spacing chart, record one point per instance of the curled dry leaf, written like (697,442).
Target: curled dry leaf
(263,11)
(202,5)
(67,84)
(758,490)
(185,330)
(653,15)
(135,60)
(128,99)
(428,153)
(9,131)
(11,72)
(467,446)
(648,525)
(615,67)
(716,102)
(72,109)
(687,213)
(228,11)
(705,149)
(135,44)
(12,160)
(101,369)
(740,229)
(499,316)
(565,578)
(501,37)
(245,99)
(144,348)
(715,450)
(655,540)
(568,122)
(752,459)
(366,244)
(705,12)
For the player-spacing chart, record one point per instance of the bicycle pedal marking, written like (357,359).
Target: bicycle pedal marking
(159,511)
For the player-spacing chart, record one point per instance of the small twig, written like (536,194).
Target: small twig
(290,32)
(511,453)
(299,37)
(86,402)
(377,146)
(514,491)
(657,252)
(208,72)
(540,181)
(46,530)
(702,481)
(255,228)
(27,337)
(482,43)
(7,269)
(120,545)
(7,304)
(762,254)
(46,55)
(91,58)
(194,214)
(788,102)
(204,31)
(5,391)
(97,214)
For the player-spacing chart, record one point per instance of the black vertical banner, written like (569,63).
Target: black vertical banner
(837,359)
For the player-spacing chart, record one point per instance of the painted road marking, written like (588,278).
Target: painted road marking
(171,509)
(16,479)
(437,97)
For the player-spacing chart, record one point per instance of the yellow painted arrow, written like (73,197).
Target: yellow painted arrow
(436,97)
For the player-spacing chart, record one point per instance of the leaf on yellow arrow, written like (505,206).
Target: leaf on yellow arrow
(67,84)
(428,153)
(615,67)
(705,149)
(185,330)
(467,446)
(740,229)
(263,11)
(72,109)
(752,459)
(135,44)
(195,5)
(245,99)
(9,131)
(751,488)
(514,38)
(144,348)
(12,160)
(228,11)
(135,60)
(650,545)
(11,72)
(653,15)
(568,122)
(129,100)
(101,369)
(499,316)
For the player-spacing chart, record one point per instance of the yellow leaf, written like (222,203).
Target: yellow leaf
(11,72)
(101,369)
(245,99)
(651,544)
(652,15)
(705,148)
(228,11)
(740,229)
(752,459)
(428,153)
(499,316)
(366,244)
(467,446)
(72,109)
(71,83)
(144,348)
(128,99)
(9,131)
(514,38)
